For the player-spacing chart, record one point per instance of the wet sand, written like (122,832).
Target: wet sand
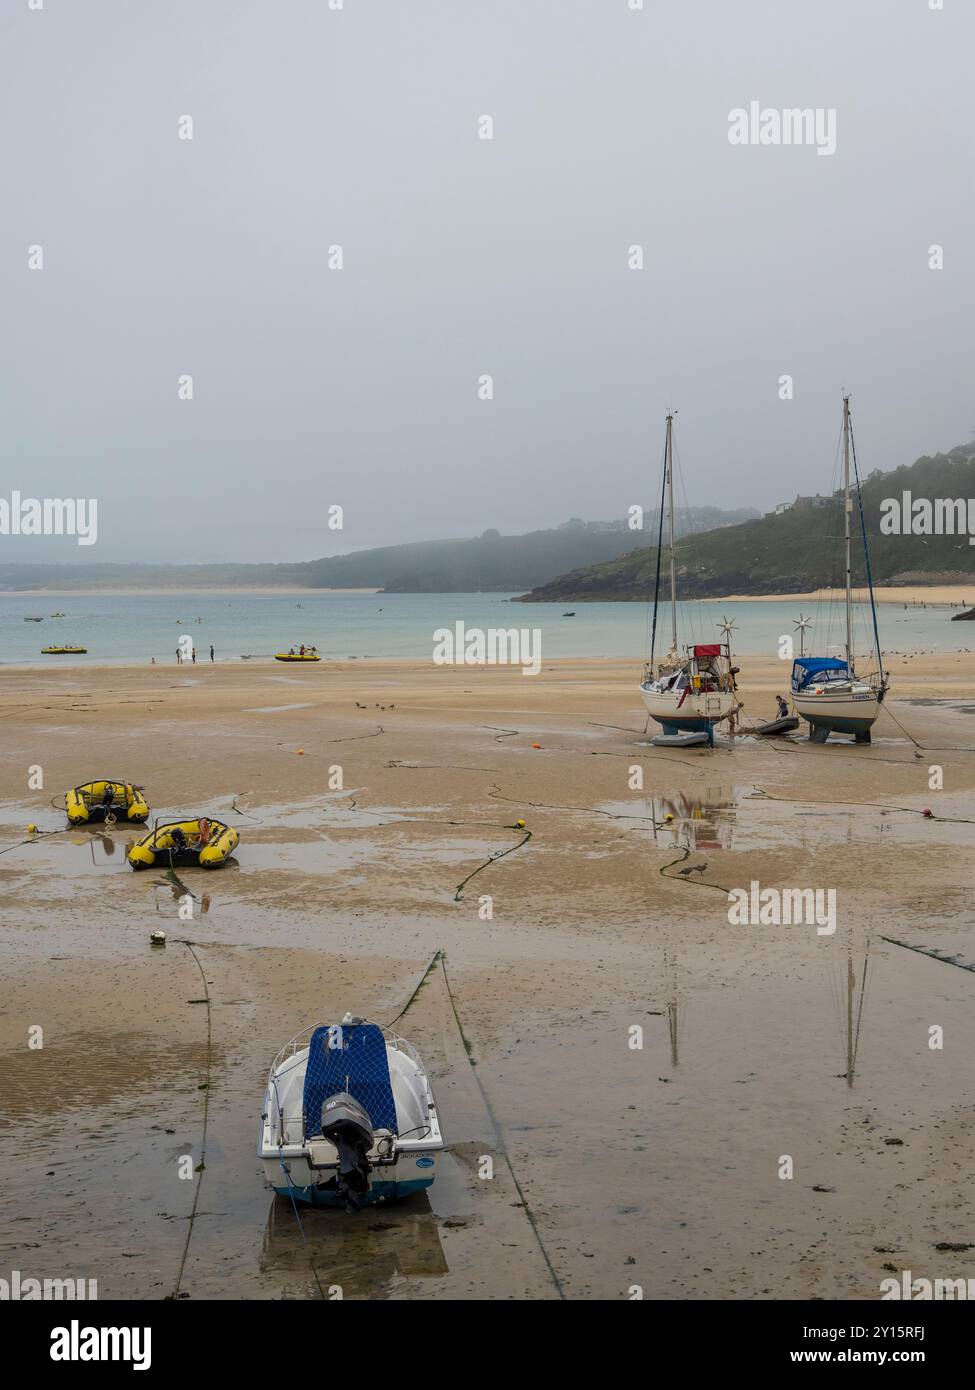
(615,1167)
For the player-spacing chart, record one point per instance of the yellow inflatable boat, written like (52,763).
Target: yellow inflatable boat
(202,842)
(106,801)
(309,654)
(62,651)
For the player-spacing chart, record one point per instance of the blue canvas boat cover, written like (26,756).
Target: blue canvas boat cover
(348,1057)
(806,670)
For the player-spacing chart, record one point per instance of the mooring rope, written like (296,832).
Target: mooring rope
(497,1132)
(924,951)
(419,985)
(492,859)
(201,1167)
(703,883)
(301,1229)
(761,794)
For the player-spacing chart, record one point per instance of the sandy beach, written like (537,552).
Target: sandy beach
(617,1167)
(914,593)
(963,594)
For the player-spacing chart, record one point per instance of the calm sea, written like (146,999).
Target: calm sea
(118,628)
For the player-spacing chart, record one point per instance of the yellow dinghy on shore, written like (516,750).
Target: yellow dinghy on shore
(106,801)
(201,842)
(309,654)
(63,651)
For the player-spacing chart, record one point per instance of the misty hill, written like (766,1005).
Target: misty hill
(795,550)
(491,562)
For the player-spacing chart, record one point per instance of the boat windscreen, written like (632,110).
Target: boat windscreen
(817,668)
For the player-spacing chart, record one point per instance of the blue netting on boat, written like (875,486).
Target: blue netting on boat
(348,1057)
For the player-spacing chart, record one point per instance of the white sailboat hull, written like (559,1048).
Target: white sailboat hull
(695,711)
(852,711)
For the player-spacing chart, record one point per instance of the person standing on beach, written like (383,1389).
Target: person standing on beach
(194,656)
(179,656)
(211,651)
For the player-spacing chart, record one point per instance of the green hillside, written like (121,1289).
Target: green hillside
(795,551)
(490,562)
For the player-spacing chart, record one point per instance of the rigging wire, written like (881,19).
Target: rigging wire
(656,582)
(866,551)
(690,613)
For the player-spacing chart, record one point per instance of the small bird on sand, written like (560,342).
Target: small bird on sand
(693,869)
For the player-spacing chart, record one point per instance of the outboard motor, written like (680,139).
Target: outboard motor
(346,1124)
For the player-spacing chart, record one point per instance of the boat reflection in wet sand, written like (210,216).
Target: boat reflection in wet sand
(700,822)
(349,1117)
(366,1259)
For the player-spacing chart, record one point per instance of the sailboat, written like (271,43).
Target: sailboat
(688,693)
(826,690)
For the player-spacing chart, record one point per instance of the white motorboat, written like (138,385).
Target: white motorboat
(349,1117)
(694,692)
(826,690)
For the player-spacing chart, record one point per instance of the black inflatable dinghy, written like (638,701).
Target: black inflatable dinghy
(778,726)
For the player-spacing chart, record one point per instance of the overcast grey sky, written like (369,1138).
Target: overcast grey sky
(359,127)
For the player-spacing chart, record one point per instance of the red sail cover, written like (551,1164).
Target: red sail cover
(708,649)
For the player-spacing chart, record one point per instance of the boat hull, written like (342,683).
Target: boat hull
(158,847)
(697,712)
(412,1172)
(85,803)
(850,713)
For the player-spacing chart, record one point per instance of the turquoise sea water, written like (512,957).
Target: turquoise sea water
(120,628)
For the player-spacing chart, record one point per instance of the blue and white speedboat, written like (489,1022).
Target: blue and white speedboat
(349,1117)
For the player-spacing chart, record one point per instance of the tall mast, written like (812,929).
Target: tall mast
(847,511)
(670,518)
